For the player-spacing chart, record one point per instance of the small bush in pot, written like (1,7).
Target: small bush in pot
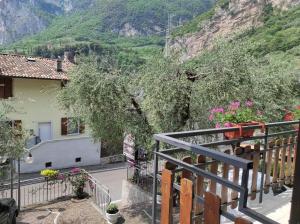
(112,213)
(237,115)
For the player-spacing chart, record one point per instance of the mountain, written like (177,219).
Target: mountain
(264,22)
(67,22)
(19,18)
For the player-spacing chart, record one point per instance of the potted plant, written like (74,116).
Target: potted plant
(237,115)
(112,213)
(78,180)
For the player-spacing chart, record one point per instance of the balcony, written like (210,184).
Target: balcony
(253,178)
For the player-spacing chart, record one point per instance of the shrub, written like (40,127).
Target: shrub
(51,174)
(112,209)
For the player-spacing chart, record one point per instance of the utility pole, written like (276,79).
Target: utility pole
(168,36)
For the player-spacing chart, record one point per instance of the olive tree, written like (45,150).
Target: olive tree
(164,95)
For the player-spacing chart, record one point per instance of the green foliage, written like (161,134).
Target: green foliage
(101,23)
(235,113)
(296,113)
(197,23)
(112,209)
(281,32)
(163,95)
(12,140)
(229,72)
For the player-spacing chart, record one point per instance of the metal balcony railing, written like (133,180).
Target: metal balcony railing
(194,144)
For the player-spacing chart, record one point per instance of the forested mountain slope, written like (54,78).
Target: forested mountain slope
(270,24)
(70,22)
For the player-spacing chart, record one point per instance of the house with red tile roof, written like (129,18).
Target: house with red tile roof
(31,84)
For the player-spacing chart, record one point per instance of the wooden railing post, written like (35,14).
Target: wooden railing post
(213,170)
(212,209)
(199,191)
(236,174)
(256,158)
(269,168)
(186,201)
(282,162)
(185,173)
(242,221)
(276,162)
(224,191)
(167,196)
(288,172)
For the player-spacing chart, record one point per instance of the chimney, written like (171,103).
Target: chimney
(59,64)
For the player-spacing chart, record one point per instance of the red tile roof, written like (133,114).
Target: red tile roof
(40,68)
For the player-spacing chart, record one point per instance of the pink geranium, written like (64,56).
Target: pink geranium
(75,170)
(218,125)
(227,125)
(234,105)
(249,103)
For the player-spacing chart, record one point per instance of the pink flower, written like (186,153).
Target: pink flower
(75,170)
(249,103)
(227,125)
(234,105)
(211,117)
(61,176)
(217,110)
(218,125)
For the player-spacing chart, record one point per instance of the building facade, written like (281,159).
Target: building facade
(31,85)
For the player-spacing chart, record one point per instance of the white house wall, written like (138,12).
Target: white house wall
(62,154)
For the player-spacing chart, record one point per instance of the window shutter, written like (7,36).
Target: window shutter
(81,127)
(2,84)
(64,126)
(7,88)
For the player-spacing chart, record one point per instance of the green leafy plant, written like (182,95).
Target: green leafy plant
(78,178)
(296,113)
(112,209)
(235,113)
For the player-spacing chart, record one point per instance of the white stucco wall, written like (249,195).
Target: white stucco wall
(35,101)
(62,154)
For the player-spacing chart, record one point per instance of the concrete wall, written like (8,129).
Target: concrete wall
(35,101)
(62,154)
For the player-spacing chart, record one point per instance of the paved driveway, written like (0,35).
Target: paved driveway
(112,179)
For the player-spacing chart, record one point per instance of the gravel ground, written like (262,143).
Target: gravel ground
(80,212)
(66,212)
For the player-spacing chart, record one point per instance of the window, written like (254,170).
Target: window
(48,164)
(78,160)
(5,87)
(72,126)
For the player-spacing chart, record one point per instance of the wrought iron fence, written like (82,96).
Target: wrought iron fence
(41,190)
(99,193)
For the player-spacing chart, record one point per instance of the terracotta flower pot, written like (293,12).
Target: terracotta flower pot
(242,132)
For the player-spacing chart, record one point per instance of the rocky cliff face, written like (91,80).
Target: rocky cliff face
(23,17)
(240,15)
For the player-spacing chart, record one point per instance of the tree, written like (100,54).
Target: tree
(165,95)
(12,141)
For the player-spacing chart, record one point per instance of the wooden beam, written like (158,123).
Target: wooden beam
(242,221)
(167,196)
(199,191)
(212,209)
(185,173)
(186,201)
